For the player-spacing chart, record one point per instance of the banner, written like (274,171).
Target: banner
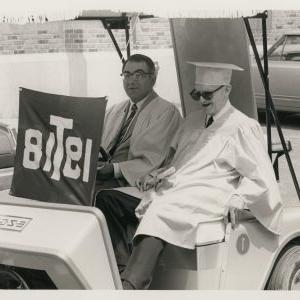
(57,147)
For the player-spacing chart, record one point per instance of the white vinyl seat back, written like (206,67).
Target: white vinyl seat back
(223,258)
(179,268)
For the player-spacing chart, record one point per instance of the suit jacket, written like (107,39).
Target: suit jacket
(147,141)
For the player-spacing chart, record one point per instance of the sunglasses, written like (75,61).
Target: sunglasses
(196,95)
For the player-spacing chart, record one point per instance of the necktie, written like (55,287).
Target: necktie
(124,128)
(209,121)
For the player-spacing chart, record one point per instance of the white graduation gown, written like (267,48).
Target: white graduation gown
(212,164)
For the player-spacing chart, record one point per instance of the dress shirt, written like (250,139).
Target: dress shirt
(220,113)
(117,170)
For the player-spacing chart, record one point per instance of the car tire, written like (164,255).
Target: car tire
(286,273)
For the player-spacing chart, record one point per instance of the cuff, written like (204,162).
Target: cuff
(117,171)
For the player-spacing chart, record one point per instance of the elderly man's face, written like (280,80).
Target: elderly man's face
(212,98)
(138,82)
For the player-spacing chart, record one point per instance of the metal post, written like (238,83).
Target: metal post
(127,38)
(106,26)
(272,108)
(266,73)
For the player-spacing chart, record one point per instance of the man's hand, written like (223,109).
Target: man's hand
(143,206)
(156,179)
(105,171)
(147,182)
(104,156)
(232,208)
(233,213)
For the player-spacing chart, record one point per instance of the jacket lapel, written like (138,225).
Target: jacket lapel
(128,133)
(121,122)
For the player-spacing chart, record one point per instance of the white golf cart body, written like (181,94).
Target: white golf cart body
(70,243)
(72,246)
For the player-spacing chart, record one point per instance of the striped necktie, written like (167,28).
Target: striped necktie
(124,128)
(209,121)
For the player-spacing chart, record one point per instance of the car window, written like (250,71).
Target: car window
(291,50)
(277,52)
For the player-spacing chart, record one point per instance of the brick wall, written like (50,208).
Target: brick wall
(79,36)
(278,22)
(90,36)
(154,33)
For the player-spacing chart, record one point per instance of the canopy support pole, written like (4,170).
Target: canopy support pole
(107,27)
(270,109)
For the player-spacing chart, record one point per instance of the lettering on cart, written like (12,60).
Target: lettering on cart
(13,222)
(71,146)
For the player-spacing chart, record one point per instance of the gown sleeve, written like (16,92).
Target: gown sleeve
(257,187)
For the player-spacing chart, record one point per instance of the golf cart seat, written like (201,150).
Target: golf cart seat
(220,258)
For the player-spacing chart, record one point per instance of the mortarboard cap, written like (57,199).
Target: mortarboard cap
(212,73)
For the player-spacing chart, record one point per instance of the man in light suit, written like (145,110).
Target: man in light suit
(137,132)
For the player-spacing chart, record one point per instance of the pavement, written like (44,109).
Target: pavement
(290,124)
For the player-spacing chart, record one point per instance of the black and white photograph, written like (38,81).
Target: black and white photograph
(150,147)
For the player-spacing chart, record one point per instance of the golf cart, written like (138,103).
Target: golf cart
(62,246)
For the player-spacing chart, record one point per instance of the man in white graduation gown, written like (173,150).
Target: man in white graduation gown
(220,165)
(137,132)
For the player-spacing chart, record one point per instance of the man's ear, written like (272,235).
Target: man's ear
(228,89)
(156,69)
(153,77)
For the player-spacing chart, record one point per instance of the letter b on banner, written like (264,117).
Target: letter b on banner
(33,149)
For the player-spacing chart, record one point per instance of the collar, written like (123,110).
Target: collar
(139,104)
(226,107)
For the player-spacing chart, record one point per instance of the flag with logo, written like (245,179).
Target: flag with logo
(57,147)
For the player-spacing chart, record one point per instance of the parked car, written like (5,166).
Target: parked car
(284,74)
(7,152)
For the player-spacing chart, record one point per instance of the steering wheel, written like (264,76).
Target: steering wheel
(10,279)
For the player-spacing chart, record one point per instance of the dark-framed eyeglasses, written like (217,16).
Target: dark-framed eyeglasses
(196,95)
(139,74)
